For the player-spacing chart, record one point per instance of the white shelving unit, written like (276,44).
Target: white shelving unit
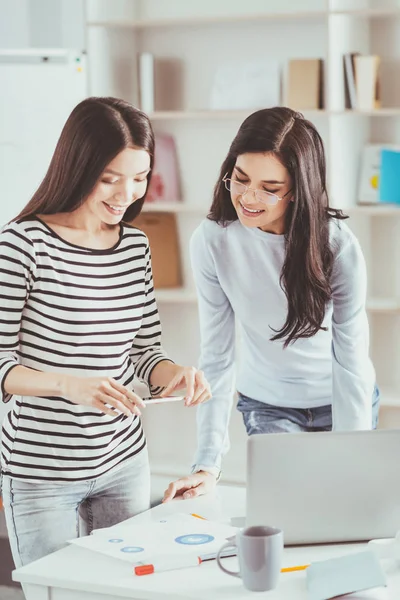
(200,35)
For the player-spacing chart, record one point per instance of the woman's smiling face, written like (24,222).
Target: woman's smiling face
(261,173)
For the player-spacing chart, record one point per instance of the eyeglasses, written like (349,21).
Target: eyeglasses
(240,189)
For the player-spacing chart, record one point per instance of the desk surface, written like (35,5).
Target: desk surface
(78,574)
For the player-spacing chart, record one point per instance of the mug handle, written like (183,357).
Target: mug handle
(224,547)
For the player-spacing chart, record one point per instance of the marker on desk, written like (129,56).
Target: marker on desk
(168,564)
(297,568)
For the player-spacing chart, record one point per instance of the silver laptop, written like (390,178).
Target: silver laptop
(325,487)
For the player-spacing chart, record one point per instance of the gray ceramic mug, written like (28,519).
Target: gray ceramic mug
(260,551)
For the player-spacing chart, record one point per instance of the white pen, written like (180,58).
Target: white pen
(162,400)
(167,564)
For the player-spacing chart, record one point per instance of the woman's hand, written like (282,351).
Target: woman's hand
(197,387)
(99,392)
(191,486)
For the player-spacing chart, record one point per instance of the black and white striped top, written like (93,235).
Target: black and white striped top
(85,312)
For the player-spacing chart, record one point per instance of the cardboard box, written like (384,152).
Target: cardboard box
(162,230)
(305,84)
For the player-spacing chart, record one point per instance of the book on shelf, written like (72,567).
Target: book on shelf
(160,83)
(241,85)
(367,82)
(146,81)
(350,90)
(370,179)
(305,85)
(165,182)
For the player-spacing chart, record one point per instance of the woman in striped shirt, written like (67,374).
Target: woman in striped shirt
(78,322)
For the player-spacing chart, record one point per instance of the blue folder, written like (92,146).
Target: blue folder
(389,184)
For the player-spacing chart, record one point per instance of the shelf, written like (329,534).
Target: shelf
(368,12)
(206,20)
(379,210)
(389,397)
(184,296)
(378,112)
(383,305)
(174,207)
(175,296)
(390,210)
(198,115)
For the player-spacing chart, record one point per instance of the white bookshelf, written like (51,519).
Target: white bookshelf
(175,296)
(175,207)
(201,35)
(205,20)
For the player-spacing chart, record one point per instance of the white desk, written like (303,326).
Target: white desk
(78,574)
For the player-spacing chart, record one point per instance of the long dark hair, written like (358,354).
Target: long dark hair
(306,272)
(95,132)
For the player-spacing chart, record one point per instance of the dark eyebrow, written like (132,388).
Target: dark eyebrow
(122,175)
(263,181)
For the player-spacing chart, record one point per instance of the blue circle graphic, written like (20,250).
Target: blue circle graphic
(116,540)
(132,549)
(194,539)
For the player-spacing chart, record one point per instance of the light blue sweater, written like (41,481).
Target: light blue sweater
(237,271)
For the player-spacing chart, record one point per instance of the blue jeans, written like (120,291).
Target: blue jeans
(259,417)
(41,516)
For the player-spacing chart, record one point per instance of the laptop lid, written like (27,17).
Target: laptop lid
(325,487)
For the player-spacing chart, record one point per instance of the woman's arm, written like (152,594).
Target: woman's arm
(353,374)
(98,392)
(17,271)
(217,357)
(22,381)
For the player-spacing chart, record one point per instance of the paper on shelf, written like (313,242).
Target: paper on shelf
(246,85)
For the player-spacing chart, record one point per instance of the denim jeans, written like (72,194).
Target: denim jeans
(42,516)
(260,417)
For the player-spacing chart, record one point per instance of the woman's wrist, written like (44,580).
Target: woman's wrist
(163,372)
(63,384)
(23,381)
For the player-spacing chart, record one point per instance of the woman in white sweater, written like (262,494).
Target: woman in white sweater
(274,260)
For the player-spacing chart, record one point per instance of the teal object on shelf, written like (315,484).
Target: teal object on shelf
(389,184)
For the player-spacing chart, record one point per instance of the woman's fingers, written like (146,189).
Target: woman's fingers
(121,393)
(119,406)
(202,390)
(190,378)
(174,488)
(204,397)
(196,481)
(171,386)
(104,409)
(198,490)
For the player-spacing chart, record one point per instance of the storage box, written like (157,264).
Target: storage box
(162,230)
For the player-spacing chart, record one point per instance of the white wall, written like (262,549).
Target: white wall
(42,23)
(14,24)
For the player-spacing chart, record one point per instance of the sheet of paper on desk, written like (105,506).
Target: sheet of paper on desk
(178,534)
(344,575)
